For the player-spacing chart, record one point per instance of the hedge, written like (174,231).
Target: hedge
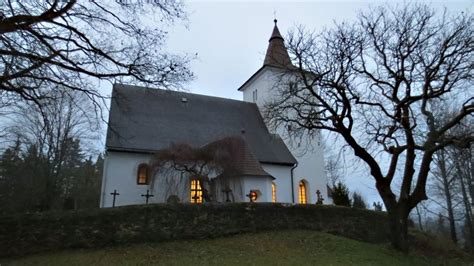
(32,233)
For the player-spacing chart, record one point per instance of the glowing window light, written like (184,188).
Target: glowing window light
(302,193)
(196,191)
(274,192)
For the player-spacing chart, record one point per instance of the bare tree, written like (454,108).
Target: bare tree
(449,190)
(333,166)
(68,45)
(373,83)
(464,165)
(219,159)
(54,128)
(445,188)
(420,216)
(194,163)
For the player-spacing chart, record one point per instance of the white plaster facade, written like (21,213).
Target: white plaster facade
(260,89)
(120,174)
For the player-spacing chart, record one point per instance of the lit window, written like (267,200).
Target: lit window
(196,191)
(302,193)
(143,174)
(274,192)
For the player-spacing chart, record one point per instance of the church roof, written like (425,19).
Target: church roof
(277,55)
(146,120)
(243,161)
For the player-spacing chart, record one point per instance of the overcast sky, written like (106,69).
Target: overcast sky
(231,37)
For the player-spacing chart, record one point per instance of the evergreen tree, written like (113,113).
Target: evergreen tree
(340,195)
(9,164)
(30,180)
(358,201)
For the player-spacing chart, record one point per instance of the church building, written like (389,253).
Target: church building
(269,167)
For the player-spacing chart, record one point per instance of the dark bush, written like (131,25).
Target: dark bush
(358,201)
(340,195)
(31,233)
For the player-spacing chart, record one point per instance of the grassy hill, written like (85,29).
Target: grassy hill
(290,247)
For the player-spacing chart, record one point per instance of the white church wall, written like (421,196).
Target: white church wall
(258,85)
(311,169)
(236,187)
(165,186)
(282,175)
(120,173)
(263,186)
(308,151)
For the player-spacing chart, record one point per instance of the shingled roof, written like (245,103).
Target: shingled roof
(277,55)
(146,120)
(242,161)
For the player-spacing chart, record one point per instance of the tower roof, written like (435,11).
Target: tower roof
(277,55)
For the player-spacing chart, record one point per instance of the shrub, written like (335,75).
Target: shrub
(340,195)
(31,233)
(358,201)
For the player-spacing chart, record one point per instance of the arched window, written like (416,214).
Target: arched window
(274,192)
(196,191)
(303,199)
(143,174)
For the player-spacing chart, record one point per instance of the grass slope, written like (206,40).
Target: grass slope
(296,247)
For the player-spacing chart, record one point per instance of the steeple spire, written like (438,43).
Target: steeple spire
(277,55)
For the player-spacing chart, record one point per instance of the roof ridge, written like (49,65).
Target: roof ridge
(177,92)
(143,119)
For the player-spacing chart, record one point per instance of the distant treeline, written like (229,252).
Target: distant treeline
(32,181)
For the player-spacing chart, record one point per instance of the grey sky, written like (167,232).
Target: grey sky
(231,37)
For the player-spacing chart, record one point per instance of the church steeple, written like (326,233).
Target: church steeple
(277,55)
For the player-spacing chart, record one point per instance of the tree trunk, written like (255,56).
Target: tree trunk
(452,222)
(420,222)
(446,181)
(205,187)
(398,221)
(447,193)
(464,177)
(470,176)
(468,211)
(449,208)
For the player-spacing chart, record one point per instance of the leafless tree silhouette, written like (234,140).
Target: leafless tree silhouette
(217,159)
(373,82)
(72,45)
